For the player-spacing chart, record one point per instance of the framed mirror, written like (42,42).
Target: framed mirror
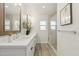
(66,15)
(12,18)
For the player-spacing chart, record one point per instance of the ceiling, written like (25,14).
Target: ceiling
(33,8)
(40,8)
(11,9)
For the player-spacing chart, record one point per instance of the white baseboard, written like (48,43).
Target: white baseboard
(42,42)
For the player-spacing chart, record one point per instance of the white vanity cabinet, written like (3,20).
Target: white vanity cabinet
(31,47)
(25,48)
(12,50)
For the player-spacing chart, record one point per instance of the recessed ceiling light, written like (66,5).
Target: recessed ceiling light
(20,4)
(15,4)
(43,7)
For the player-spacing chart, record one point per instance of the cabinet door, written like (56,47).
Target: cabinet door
(34,44)
(12,51)
(31,47)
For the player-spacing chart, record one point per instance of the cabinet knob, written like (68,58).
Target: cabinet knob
(31,48)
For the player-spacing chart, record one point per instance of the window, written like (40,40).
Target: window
(53,25)
(42,25)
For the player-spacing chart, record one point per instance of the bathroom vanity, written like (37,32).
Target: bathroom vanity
(22,46)
(10,24)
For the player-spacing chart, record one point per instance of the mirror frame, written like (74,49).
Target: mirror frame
(15,31)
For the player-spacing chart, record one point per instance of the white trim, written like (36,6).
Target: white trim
(42,42)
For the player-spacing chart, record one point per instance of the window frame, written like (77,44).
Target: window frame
(43,24)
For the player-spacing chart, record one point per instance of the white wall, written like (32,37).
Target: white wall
(68,43)
(42,34)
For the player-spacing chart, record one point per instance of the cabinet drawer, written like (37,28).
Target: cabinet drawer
(12,47)
(12,52)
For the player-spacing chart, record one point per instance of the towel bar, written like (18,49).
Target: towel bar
(67,31)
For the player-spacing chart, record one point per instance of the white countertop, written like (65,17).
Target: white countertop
(19,42)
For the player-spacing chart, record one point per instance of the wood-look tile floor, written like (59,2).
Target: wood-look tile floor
(43,50)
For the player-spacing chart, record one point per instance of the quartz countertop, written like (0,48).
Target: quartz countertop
(17,42)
